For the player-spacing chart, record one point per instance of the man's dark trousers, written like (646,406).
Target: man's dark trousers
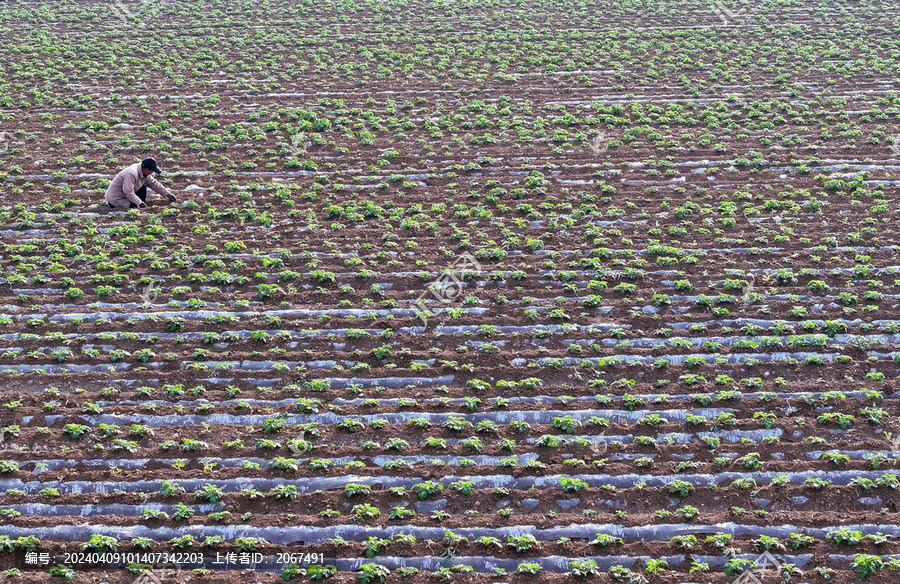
(142,195)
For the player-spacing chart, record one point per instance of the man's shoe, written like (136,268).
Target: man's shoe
(110,205)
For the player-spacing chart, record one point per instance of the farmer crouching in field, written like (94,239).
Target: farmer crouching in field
(129,188)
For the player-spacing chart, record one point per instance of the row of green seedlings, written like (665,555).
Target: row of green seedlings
(147,354)
(861,344)
(862,564)
(473,403)
(384,352)
(646,463)
(719,541)
(561,135)
(110,283)
(628,401)
(756,339)
(830,328)
(592,260)
(365,511)
(358,211)
(778,329)
(873,459)
(592,264)
(607,399)
(567,424)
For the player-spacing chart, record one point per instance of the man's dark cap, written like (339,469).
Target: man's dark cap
(151,164)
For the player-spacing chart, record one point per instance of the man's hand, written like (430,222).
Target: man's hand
(171,197)
(142,206)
